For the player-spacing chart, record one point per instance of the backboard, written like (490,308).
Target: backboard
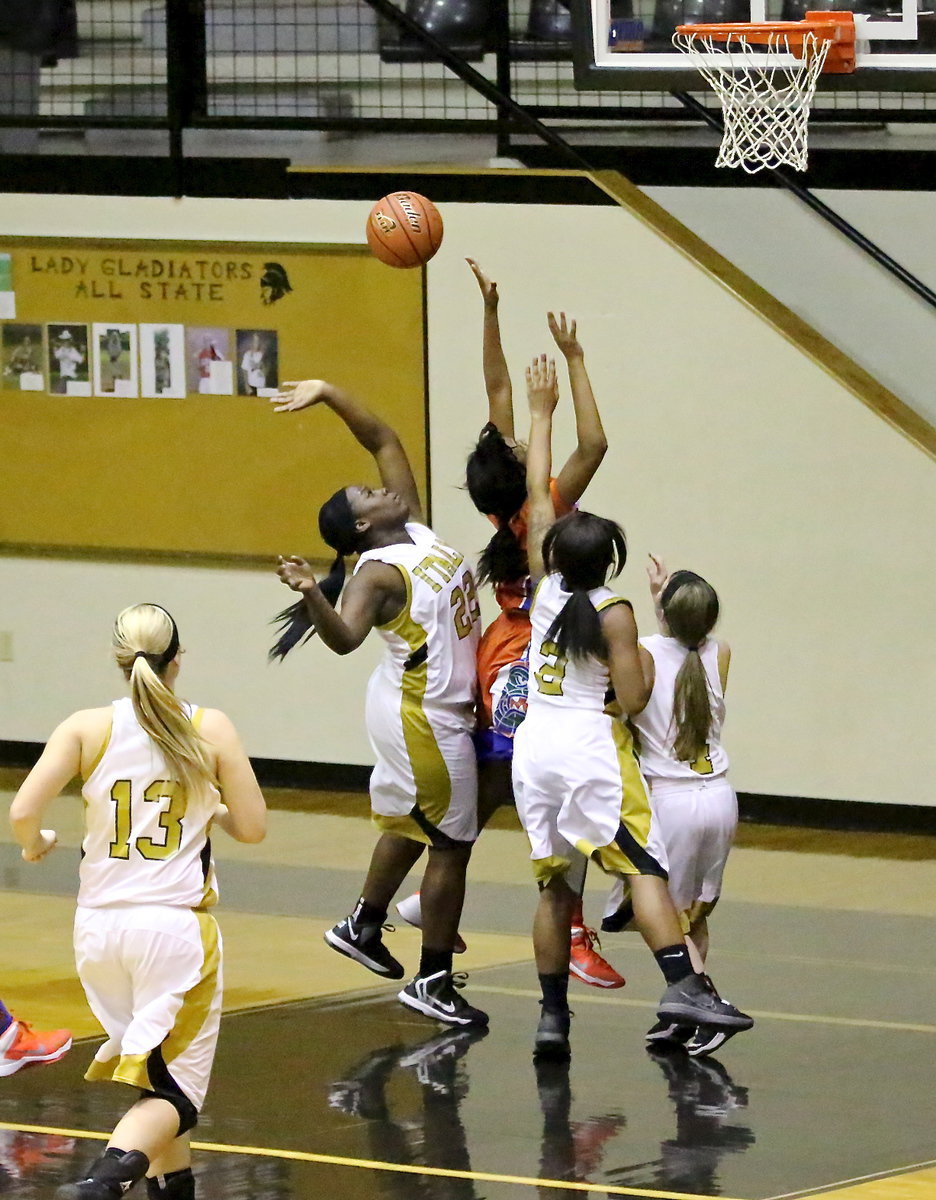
(625,45)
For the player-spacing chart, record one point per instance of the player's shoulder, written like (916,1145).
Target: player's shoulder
(88,720)
(213,724)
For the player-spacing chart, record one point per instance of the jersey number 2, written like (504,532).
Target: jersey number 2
(170,819)
(465,605)
(551,674)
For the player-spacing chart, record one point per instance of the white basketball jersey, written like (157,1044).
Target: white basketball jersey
(557,681)
(145,841)
(657,726)
(432,645)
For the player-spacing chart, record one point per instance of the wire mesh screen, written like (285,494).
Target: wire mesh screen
(326,60)
(317,63)
(99,63)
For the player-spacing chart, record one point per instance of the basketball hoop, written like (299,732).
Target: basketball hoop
(765,76)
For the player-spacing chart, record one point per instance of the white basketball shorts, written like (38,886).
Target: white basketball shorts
(577,786)
(152,976)
(424,784)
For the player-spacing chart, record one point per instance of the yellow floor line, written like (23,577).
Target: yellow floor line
(803,1018)
(335,1160)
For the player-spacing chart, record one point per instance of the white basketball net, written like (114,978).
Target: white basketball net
(765,95)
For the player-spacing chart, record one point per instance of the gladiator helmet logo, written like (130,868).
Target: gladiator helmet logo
(274,283)
(384,223)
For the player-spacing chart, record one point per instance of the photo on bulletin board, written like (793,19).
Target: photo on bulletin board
(115,360)
(68,359)
(209,368)
(258,362)
(228,479)
(162,362)
(21,358)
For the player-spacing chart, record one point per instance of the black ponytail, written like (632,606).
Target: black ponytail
(583,549)
(338,527)
(496,482)
(503,559)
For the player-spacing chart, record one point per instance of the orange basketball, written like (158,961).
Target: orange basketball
(404,229)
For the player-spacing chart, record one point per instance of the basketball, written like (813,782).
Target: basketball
(404,229)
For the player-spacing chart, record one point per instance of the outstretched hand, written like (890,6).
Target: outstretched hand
(563,332)
(48,840)
(542,389)
(487,285)
(657,574)
(296,573)
(298,395)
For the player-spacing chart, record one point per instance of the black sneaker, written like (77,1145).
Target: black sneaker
(669,1034)
(364,944)
(552,1036)
(707,1039)
(438,996)
(108,1178)
(694,1001)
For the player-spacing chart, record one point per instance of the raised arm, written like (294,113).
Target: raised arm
(373,596)
(374,434)
(592,445)
(543,395)
(59,763)
(630,665)
(496,378)
(657,576)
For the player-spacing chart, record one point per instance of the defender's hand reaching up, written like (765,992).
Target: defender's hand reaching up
(542,389)
(485,283)
(563,332)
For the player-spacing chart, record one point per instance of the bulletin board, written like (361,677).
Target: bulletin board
(134,378)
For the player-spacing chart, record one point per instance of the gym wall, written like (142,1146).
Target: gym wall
(731,453)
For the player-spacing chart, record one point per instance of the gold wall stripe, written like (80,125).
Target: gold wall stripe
(822,352)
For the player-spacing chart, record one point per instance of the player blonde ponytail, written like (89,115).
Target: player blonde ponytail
(690,608)
(146,641)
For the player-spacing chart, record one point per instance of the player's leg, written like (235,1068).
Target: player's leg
(171,959)
(359,935)
(447,814)
(551,950)
(585,963)
(170,1174)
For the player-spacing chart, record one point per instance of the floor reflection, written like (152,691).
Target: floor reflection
(571,1150)
(433,1136)
(704,1097)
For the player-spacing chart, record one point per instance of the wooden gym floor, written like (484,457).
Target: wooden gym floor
(325,1086)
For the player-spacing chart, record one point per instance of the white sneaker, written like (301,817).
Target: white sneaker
(410,909)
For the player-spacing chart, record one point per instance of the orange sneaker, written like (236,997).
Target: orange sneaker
(21,1046)
(587,964)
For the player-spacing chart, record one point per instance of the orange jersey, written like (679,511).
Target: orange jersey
(513,596)
(506,639)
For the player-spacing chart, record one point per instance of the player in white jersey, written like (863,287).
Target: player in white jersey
(694,806)
(156,773)
(419,594)
(576,781)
